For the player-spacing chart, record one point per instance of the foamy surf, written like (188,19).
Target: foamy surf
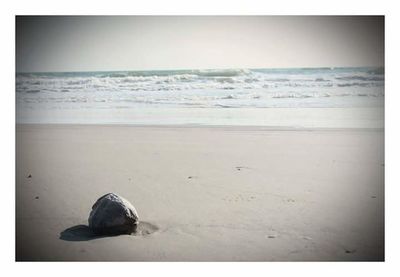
(126,92)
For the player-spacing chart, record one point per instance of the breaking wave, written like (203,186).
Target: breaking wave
(200,88)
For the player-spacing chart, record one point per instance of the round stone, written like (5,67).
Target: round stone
(113,215)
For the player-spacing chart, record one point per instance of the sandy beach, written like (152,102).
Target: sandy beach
(203,193)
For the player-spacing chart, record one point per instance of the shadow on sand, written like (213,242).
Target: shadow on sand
(84,233)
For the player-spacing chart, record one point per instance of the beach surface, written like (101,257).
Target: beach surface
(202,193)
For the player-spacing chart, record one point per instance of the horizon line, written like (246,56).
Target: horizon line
(189,69)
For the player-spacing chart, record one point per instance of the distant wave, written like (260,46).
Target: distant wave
(221,73)
(151,73)
(177,80)
(361,78)
(226,88)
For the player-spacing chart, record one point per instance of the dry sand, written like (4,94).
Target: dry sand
(204,193)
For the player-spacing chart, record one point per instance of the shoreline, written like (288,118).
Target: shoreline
(367,117)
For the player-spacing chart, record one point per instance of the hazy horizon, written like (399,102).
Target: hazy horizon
(194,69)
(143,43)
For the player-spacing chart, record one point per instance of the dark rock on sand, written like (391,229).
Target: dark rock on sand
(113,215)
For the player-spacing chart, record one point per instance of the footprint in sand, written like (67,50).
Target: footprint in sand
(239,198)
(239,168)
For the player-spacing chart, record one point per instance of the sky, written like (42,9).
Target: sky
(107,43)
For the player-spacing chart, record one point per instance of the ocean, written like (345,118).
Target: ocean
(290,97)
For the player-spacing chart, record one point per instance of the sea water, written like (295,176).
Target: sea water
(291,97)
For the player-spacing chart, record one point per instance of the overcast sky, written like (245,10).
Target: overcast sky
(176,42)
